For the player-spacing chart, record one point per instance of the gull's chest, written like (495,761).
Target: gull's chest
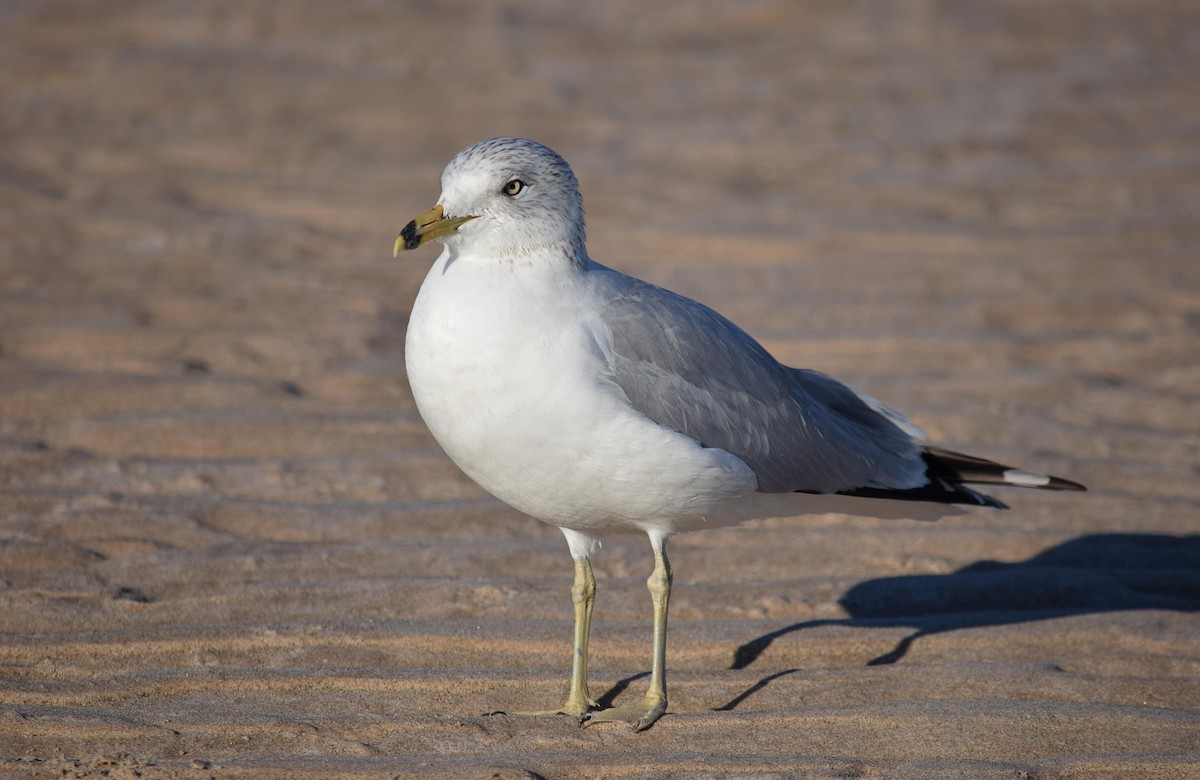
(486,354)
(516,387)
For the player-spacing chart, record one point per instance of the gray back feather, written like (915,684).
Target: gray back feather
(688,368)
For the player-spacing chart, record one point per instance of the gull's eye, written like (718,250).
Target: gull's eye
(513,188)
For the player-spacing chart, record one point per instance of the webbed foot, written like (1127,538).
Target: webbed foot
(639,714)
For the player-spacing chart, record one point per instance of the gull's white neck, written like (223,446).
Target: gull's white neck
(550,257)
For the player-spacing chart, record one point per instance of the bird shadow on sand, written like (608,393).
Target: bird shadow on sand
(1094,573)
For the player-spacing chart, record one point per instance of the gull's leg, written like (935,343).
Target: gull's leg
(642,714)
(583,595)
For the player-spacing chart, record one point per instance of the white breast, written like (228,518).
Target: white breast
(512,380)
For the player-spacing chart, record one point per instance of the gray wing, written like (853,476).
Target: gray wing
(686,367)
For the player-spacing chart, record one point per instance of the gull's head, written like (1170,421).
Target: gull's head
(504,197)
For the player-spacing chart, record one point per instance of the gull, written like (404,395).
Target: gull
(598,403)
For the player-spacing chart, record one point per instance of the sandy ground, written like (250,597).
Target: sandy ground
(229,547)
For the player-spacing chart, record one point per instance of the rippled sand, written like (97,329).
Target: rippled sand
(229,547)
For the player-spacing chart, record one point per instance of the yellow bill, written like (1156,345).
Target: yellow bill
(431,225)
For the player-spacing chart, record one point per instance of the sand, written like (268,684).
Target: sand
(229,547)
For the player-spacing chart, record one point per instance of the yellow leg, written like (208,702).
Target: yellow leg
(583,595)
(642,714)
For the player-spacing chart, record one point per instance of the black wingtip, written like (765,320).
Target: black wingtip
(957,467)
(938,491)
(1058,483)
(951,473)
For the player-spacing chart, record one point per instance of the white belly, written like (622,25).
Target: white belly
(518,396)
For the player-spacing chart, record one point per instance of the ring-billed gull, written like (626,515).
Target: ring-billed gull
(597,402)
